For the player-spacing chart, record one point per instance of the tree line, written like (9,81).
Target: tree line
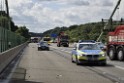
(88,31)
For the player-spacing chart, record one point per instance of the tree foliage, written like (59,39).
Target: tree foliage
(13,26)
(89,31)
(23,31)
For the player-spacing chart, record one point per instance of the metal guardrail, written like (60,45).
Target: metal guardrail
(9,39)
(7,56)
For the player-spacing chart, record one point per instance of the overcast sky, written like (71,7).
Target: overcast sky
(42,15)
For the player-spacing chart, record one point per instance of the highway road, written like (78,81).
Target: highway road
(55,66)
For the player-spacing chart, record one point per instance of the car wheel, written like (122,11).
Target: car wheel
(120,54)
(48,49)
(38,49)
(58,45)
(72,60)
(67,45)
(111,54)
(77,61)
(103,64)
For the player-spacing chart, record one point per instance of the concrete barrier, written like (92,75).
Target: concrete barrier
(7,56)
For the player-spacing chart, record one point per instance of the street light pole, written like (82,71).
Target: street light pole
(7,10)
(9,23)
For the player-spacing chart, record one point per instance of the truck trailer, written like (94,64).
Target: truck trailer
(62,40)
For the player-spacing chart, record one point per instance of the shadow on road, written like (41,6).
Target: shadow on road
(96,65)
(22,81)
(18,76)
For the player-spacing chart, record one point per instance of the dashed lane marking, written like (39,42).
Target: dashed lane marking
(120,67)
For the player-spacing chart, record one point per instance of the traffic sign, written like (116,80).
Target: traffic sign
(53,35)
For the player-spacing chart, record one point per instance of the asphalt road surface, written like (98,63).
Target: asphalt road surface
(55,66)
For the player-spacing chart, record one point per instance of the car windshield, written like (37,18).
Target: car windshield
(43,43)
(88,47)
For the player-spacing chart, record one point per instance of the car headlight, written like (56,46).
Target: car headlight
(102,55)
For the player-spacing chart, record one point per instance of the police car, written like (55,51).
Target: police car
(88,52)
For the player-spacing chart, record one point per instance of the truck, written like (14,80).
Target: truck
(34,39)
(62,40)
(115,44)
(47,39)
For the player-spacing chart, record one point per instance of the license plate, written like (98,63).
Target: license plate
(92,59)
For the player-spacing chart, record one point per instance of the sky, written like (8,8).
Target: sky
(41,15)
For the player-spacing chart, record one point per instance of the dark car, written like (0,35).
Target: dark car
(43,46)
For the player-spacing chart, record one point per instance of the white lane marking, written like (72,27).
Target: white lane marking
(120,67)
(63,50)
(67,51)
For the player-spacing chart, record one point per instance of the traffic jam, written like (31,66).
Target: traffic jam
(90,51)
(104,59)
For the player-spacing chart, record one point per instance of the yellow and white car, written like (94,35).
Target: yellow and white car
(88,52)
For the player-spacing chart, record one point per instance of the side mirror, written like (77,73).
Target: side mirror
(103,49)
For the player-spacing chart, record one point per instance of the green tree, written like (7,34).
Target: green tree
(4,22)
(13,26)
(23,31)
